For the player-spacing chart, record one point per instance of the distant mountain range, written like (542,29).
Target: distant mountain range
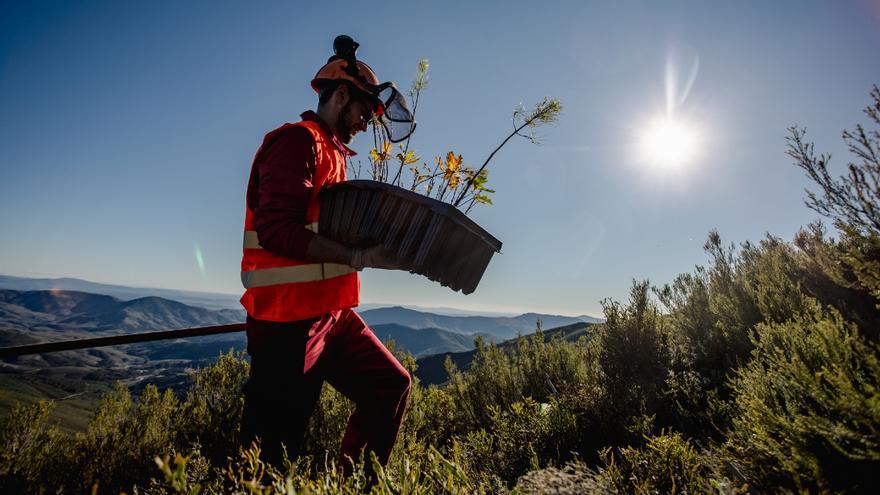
(46,310)
(207,300)
(32,316)
(498,327)
(71,310)
(423,341)
(35,310)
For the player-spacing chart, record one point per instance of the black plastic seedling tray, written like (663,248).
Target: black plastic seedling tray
(434,238)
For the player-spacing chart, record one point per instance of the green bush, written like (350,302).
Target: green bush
(248,474)
(527,436)
(633,353)
(499,378)
(792,398)
(712,313)
(27,445)
(211,414)
(666,464)
(628,366)
(808,406)
(117,449)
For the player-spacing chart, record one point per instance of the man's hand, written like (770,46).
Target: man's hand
(375,257)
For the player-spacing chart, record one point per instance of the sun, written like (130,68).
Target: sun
(667,143)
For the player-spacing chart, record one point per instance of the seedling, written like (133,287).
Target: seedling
(449,179)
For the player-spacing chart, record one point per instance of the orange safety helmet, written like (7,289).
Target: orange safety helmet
(389,105)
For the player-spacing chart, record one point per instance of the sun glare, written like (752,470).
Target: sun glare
(669,143)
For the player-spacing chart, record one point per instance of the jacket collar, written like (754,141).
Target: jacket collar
(314,117)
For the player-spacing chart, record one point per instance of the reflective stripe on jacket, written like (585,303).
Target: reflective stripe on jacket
(279,288)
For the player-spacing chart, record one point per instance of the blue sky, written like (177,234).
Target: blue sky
(127,130)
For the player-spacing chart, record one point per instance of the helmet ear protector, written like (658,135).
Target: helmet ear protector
(389,106)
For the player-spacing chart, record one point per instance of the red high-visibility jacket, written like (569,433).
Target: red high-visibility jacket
(281,288)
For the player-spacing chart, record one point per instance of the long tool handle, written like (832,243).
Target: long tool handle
(118,339)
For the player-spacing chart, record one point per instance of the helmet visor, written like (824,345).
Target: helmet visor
(396,118)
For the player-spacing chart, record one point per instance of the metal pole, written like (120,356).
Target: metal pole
(131,338)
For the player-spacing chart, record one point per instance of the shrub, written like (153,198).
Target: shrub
(28,446)
(527,436)
(632,356)
(712,313)
(501,377)
(248,474)
(667,464)
(808,406)
(117,449)
(211,414)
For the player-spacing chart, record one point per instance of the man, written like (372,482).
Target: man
(301,286)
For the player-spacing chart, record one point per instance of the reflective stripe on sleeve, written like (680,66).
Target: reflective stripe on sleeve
(293,274)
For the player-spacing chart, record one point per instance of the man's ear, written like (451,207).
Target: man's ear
(342,95)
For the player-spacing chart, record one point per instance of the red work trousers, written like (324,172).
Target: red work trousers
(289,363)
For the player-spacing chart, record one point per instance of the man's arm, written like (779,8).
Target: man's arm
(284,185)
(284,173)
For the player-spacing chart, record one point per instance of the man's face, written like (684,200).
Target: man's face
(353,118)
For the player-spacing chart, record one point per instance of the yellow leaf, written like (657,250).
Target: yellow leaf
(453,162)
(453,181)
(451,169)
(381,156)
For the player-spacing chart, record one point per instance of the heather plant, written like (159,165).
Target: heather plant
(807,411)
(632,358)
(851,203)
(27,442)
(248,474)
(211,414)
(527,436)
(711,313)
(828,277)
(120,442)
(667,463)
(499,378)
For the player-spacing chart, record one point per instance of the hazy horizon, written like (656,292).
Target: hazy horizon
(364,306)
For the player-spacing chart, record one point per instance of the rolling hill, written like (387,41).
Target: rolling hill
(499,327)
(423,341)
(209,300)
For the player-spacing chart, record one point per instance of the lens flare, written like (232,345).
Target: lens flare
(670,141)
(200,260)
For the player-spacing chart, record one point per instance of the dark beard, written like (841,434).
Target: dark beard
(343,130)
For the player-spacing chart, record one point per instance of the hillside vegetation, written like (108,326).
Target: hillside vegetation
(758,372)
